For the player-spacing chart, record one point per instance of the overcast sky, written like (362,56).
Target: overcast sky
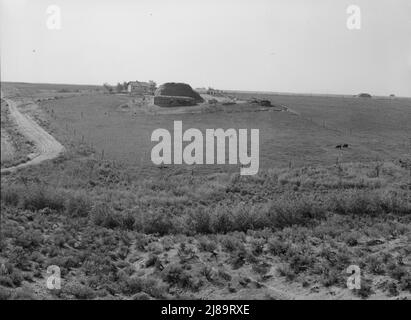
(283,45)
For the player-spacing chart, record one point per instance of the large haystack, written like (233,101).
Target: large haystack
(174,101)
(172,89)
(364,95)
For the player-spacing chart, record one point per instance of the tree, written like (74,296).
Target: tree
(108,88)
(119,87)
(153,85)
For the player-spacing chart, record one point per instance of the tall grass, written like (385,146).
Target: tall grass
(206,205)
(370,203)
(34,198)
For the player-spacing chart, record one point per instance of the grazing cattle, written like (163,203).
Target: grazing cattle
(345,145)
(338,146)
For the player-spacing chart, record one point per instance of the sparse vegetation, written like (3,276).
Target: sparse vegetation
(310,237)
(119,231)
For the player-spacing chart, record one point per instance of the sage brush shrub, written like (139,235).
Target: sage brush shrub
(36,198)
(248,217)
(396,202)
(175,275)
(78,206)
(286,212)
(355,202)
(79,291)
(103,215)
(10,195)
(222,220)
(199,219)
(278,247)
(155,221)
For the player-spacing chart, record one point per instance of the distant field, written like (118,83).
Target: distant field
(373,128)
(44,90)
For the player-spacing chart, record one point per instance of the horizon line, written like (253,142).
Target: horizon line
(230,90)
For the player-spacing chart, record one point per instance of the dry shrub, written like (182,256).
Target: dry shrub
(10,195)
(38,197)
(78,205)
(103,215)
(287,211)
(358,202)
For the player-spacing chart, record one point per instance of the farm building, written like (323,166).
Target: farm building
(214,92)
(141,88)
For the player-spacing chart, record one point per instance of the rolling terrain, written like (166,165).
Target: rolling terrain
(121,228)
(373,129)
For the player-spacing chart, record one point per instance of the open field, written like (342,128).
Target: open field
(125,229)
(374,129)
(44,90)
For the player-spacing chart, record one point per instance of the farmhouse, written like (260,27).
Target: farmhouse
(214,92)
(140,88)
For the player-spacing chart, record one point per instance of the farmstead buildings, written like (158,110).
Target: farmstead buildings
(138,88)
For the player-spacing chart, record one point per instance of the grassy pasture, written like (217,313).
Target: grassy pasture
(374,129)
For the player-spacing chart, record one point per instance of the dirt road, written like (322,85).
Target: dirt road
(46,146)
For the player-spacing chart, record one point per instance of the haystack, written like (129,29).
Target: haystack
(172,89)
(364,95)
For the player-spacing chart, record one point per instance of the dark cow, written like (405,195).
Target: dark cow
(345,145)
(338,146)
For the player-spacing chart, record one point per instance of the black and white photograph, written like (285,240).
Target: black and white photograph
(205,154)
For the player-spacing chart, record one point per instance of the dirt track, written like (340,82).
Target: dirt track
(46,146)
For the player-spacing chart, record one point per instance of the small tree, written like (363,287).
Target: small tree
(119,87)
(153,85)
(108,88)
